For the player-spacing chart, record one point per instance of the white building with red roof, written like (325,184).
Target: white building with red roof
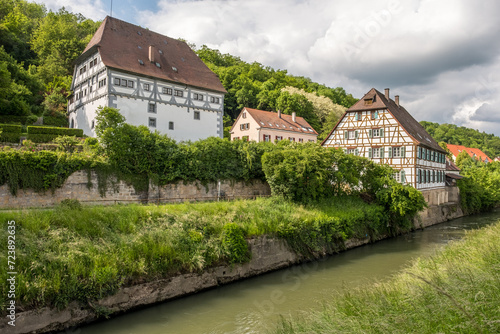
(474,153)
(154,80)
(260,125)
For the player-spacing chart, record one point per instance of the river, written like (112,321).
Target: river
(255,305)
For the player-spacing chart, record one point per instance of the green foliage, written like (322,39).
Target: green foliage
(234,243)
(40,171)
(55,121)
(299,172)
(8,128)
(66,143)
(85,253)
(480,187)
(459,135)
(54,131)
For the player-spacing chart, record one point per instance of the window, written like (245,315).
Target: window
(152,108)
(291,138)
(152,122)
(245,126)
(146,87)
(374,114)
(197,115)
(368,102)
(351,134)
(267,137)
(214,99)
(278,138)
(354,151)
(92,125)
(236,138)
(102,83)
(130,84)
(397,176)
(95,61)
(198,97)
(179,93)
(396,152)
(244,115)
(167,91)
(245,138)
(377,132)
(301,140)
(117,81)
(376,152)
(170,125)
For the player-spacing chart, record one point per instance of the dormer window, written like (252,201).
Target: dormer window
(368,102)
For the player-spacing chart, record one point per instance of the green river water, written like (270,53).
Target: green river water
(255,305)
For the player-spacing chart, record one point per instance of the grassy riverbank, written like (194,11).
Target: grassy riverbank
(455,291)
(85,253)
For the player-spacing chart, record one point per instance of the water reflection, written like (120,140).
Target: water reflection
(254,305)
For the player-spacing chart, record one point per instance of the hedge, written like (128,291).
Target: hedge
(11,128)
(49,130)
(55,121)
(10,133)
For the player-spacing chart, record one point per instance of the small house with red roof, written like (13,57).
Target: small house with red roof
(474,153)
(379,128)
(154,80)
(260,125)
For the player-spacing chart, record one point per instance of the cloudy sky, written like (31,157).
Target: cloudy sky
(441,56)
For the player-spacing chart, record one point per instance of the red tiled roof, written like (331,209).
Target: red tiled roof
(412,127)
(121,46)
(270,120)
(473,152)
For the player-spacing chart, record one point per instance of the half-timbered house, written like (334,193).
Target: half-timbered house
(379,128)
(154,80)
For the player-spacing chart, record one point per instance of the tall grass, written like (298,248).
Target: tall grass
(86,253)
(455,291)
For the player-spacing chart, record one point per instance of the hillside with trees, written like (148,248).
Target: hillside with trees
(36,60)
(459,135)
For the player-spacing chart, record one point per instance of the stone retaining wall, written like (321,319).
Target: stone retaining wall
(77,187)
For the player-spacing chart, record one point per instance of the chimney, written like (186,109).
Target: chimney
(152,50)
(396,99)
(294,117)
(387,93)
(279,113)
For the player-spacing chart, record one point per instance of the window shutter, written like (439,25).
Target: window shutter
(381,133)
(403,151)
(369,152)
(376,115)
(346,134)
(382,150)
(389,152)
(345,150)
(356,118)
(356,152)
(418,152)
(403,177)
(356,133)
(370,133)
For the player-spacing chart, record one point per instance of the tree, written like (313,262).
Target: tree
(462,158)
(289,103)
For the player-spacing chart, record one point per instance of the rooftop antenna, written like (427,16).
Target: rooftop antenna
(111,14)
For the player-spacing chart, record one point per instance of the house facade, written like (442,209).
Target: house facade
(379,128)
(152,79)
(474,153)
(260,125)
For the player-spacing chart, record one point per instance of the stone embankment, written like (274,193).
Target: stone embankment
(267,255)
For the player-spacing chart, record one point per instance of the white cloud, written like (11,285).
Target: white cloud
(433,53)
(93,9)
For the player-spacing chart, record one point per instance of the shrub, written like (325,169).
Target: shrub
(234,243)
(48,130)
(55,121)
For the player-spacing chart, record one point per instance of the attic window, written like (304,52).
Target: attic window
(139,33)
(165,42)
(139,47)
(270,124)
(283,125)
(174,69)
(368,102)
(183,59)
(158,65)
(262,123)
(141,62)
(161,52)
